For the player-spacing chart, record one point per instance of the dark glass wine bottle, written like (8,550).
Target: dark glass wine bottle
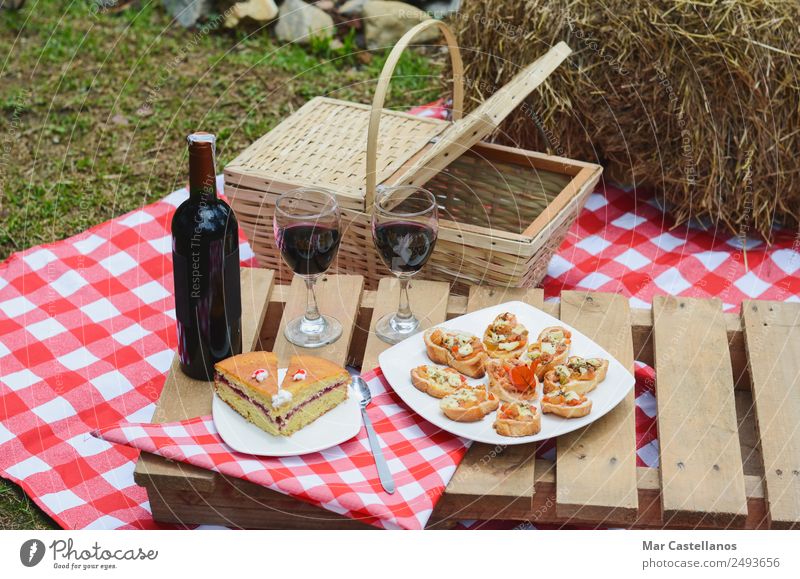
(205,256)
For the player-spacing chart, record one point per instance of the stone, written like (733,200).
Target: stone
(259,10)
(385,22)
(188,12)
(298,22)
(11,4)
(120,120)
(443,8)
(352,8)
(326,5)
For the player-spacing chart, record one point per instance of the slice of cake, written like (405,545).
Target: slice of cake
(248,383)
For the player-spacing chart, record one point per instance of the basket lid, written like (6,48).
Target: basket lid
(462,134)
(323,143)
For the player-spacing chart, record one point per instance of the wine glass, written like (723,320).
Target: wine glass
(307,232)
(405,225)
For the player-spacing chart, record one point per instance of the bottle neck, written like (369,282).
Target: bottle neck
(202,172)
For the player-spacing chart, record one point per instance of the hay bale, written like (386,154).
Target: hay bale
(698,100)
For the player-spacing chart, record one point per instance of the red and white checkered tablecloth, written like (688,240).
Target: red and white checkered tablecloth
(87,335)
(342,479)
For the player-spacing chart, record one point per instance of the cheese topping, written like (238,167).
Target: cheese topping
(563,373)
(525,411)
(466,398)
(467,349)
(282,398)
(500,332)
(463,397)
(456,339)
(517,411)
(548,348)
(443,376)
(568,395)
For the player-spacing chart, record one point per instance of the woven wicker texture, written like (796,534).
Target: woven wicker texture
(499,196)
(503,211)
(485,205)
(323,145)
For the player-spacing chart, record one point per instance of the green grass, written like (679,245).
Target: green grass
(102,104)
(17,511)
(94,109)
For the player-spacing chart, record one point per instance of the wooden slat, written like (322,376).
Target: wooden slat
(701,464)
(596,466)
(506,474)
(542,510)
(337,296)
(772,333)
(183,397)
(428,302)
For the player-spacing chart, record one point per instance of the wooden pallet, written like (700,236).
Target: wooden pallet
(728,408)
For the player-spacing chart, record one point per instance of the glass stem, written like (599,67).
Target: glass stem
(404,309)
(312,311)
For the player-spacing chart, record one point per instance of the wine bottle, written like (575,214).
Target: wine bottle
(205,256)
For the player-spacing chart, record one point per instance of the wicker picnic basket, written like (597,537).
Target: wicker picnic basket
(503,211)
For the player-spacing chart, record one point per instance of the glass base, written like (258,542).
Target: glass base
(313,333)
(392,329)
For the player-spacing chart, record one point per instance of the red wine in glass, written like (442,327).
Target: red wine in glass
(405,223)
(404,246)
(308,249)
(307,226)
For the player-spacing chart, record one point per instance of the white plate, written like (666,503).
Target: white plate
(397,362)
(334,427)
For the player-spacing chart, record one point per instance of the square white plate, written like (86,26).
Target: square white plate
(397,362)
(334,427)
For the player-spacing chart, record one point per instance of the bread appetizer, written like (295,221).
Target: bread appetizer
(511,380)
(580,375)
(505,337)
(469,404)
(551,349)
(556,335)
(437,381)
(459,350)
(517,419)
(566,403)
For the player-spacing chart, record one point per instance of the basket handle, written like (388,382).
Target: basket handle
(383,86)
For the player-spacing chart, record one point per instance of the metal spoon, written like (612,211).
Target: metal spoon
(383,469)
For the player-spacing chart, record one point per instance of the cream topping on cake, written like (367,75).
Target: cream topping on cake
(282,398)
(260,375)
